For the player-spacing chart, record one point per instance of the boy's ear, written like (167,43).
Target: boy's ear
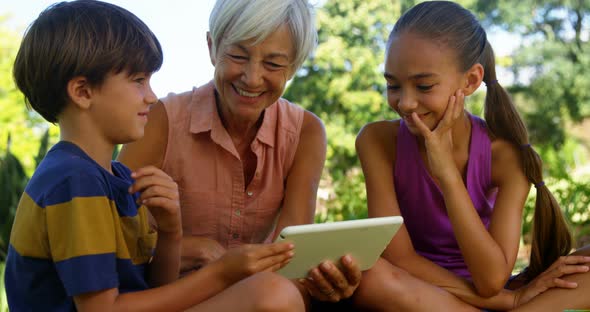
(210,46)
(473,78)
(80,92)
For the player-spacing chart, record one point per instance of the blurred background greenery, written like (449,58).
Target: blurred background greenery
(548,75)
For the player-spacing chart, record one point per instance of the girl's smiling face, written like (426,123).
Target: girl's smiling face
(421,76)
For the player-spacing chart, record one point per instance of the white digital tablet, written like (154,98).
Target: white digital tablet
(363,239)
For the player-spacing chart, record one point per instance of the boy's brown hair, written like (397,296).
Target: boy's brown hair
(81,38)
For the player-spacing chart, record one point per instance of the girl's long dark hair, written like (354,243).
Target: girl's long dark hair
(457,28)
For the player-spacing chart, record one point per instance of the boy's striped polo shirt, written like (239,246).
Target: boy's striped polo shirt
(76,230)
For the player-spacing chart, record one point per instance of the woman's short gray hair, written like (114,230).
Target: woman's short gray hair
(234,21)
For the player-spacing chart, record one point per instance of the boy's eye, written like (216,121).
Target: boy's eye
(140,78)
(392,87)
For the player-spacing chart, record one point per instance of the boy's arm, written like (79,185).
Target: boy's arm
(165,265)
(176,296)
(196,287)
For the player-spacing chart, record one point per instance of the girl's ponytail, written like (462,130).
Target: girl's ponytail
(551,237)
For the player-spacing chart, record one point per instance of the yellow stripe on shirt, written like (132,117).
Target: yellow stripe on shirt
(141,240)
(83,226)
(28,236)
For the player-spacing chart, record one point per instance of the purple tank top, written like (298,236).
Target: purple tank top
(421,202)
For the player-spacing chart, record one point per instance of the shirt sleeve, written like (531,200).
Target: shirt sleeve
(81,232)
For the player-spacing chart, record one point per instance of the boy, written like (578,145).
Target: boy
(81,238)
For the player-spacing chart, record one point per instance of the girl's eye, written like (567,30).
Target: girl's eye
(392,87)
(425,87)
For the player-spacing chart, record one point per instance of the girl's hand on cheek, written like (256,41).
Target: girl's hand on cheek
(439,142)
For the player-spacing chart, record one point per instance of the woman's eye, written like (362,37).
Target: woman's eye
(274,66)
(237,57)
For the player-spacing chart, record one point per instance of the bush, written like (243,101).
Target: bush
(12,184)
(574,199)
(13,180)
(3,302)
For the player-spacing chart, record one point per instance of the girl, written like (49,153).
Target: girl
(459,182)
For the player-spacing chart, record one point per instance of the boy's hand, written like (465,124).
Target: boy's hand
(160,194)
(329,283)
(246,260)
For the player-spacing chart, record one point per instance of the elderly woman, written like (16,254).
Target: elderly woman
(247,161)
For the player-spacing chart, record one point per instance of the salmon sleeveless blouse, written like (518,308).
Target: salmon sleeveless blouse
(201,158)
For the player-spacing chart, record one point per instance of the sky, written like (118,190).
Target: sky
(181,27)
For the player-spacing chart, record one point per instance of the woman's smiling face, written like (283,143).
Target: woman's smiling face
(249,78)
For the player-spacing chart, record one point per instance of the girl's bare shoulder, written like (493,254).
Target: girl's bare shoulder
(506,160)
(384,132)
(379,137)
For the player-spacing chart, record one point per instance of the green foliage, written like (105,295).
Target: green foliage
(350,204)
(13,180)
(552,64)
(3,301)
(24,126)
(569,187)
(574,199)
